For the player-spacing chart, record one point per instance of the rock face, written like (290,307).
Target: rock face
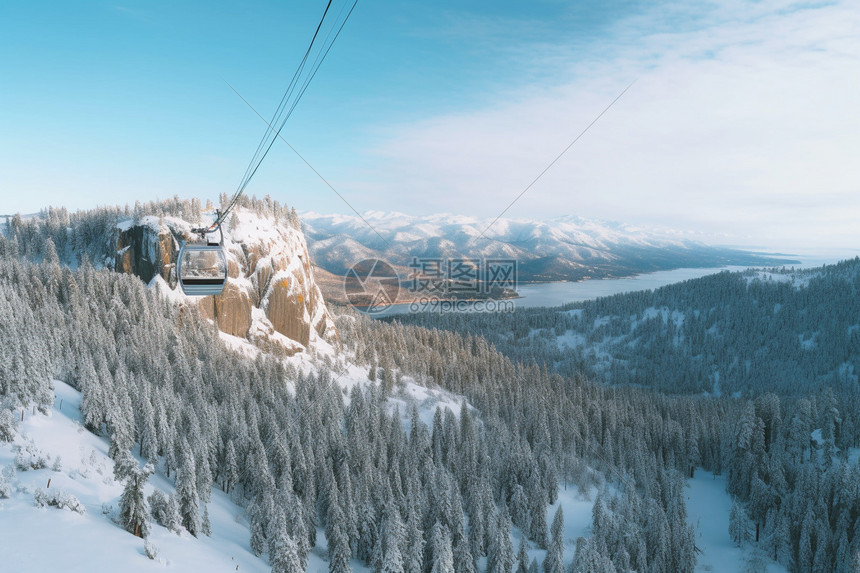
(270,293)
(231,310)
(283,305)
(145,251)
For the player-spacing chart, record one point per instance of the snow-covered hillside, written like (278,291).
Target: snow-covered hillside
(53,455)
(76,465)
(562,248)
(401,443)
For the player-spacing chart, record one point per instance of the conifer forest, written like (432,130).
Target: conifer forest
(749,375)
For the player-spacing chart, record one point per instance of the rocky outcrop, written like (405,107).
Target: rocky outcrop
(145,251)
(291,299)
(231,310)
(268,268)
(283,306)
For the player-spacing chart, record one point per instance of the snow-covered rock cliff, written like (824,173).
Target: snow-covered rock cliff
(270,295)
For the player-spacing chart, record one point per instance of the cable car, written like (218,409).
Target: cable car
(202,269)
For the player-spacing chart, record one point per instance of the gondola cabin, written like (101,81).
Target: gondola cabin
(202,269)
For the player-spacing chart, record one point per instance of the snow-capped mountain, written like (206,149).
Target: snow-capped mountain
(562,248)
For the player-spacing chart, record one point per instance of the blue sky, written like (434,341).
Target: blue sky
(742,127)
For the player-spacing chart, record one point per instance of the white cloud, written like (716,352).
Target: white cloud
(743,122)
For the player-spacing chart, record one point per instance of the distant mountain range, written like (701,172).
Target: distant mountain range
(560,249)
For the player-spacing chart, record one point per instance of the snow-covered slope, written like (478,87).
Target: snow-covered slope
(44,539)
(708,508)
(562,248)
(48,539)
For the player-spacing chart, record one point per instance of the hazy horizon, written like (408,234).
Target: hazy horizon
(813,255)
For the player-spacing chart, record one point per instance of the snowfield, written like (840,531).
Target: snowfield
(51,539)
(708,508)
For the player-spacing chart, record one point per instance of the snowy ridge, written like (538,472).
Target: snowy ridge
(562,248)
(593,232)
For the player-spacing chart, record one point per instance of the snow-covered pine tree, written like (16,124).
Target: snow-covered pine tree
(206,524)
(500,555)
(285,554)
(523,556)
(186,489)
(164,510)
(554,560)
(414,555)
(338,542)
(133,509)
(231,468)
(147,434)
(393,541)
(589,559)
(537,519)
(295,524)
(738,525)
(443,557)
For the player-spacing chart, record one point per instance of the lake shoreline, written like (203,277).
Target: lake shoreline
(559,293)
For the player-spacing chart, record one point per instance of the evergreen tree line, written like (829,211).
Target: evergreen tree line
(93,233)
(577,432)
(798,494)
(793,333)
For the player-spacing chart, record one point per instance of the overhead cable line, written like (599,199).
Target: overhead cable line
(316,53)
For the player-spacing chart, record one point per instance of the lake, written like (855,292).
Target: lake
(559,293)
